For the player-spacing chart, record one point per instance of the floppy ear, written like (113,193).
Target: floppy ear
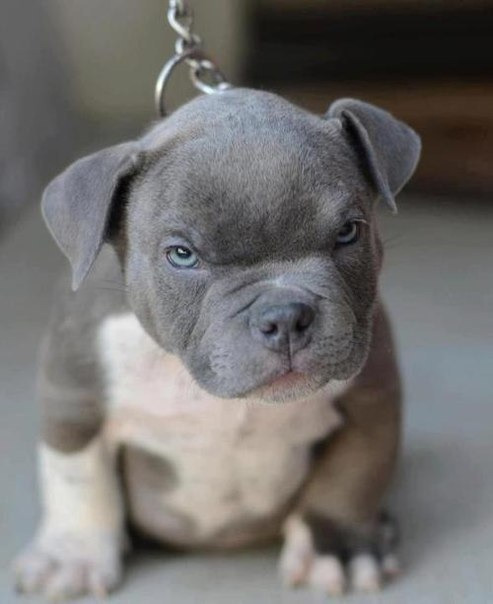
(390,148)
(77,204)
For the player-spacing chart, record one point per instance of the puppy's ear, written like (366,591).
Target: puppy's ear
(77,204)
(390,148)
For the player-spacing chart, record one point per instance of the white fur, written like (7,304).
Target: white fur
(297,553)
(365,573)
(77,548)
(327,574)
(79,490)
(300,564)
(231,456)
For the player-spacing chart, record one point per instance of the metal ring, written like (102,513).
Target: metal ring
(163,78)
(207,66)
(188,49)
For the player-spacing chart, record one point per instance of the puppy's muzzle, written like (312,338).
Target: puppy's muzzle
(282,327)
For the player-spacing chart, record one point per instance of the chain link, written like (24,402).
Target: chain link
(204,73)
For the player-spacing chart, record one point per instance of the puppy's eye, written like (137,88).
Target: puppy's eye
(182,257)
(349,233)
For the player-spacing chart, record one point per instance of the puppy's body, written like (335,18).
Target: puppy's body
(199,470)
(217,472)
(232,354)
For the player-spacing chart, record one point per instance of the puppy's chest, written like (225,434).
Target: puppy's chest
(236,457)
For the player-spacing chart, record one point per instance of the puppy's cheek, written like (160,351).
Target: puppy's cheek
(344,366)
(210,357)
(356,361)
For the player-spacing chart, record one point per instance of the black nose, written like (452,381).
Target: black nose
(283,326)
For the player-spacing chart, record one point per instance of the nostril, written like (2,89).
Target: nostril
(301,325)
(269,329)
(305,319)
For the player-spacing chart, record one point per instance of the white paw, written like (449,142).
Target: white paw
(69,566)
(300,564)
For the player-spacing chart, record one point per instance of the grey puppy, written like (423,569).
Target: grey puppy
(229,352)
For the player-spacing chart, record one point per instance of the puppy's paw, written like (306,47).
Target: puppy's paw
(326,557)
(64,566)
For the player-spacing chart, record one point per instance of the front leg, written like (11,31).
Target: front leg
(338,535)
(77,548)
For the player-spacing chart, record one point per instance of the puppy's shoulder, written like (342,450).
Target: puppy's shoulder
(72,330)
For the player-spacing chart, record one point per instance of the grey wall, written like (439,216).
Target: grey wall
(116,48)
(77,73)
(34,109)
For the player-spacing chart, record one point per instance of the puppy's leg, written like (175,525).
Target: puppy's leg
(339,535)
(77,548)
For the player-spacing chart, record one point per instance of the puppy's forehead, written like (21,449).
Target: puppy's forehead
(263,174)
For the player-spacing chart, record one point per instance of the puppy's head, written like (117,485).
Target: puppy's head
(246,231)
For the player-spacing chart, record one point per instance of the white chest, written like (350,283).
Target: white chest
(231,457)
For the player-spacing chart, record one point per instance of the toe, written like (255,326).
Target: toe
(98,586)
(65,582)
(293,568)
(297,553)
(101,582)
(364,573)
(327,574)
(30,571)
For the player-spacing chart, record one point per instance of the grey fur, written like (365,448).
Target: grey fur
(70,381)
(260,188)
(77,204)
(391,149)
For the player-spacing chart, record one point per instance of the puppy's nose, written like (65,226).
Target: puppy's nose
(283,327)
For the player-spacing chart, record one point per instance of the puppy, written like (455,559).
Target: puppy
(226,374)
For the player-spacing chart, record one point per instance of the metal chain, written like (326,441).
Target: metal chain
(204,73)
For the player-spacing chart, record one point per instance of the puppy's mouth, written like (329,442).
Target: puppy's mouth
(288,385)
(289,379)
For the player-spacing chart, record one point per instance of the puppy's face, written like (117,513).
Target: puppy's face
(252,254)
(249,242)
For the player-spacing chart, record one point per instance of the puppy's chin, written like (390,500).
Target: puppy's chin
(292,386)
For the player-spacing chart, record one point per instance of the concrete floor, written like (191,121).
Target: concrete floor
(438,283)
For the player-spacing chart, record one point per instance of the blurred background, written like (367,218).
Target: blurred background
(79,75)
(75,73)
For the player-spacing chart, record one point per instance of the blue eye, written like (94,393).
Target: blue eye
(182,257)
(349,233)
